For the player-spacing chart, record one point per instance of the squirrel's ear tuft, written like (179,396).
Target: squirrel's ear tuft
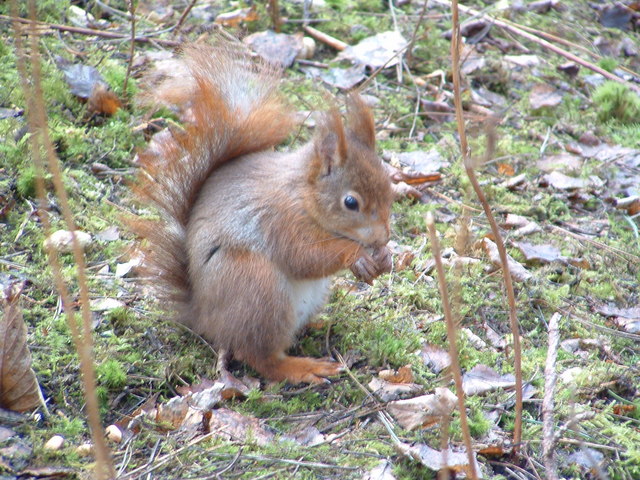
(330,144)
(360,121)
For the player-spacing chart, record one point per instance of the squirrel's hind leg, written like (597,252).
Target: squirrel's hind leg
(280,367)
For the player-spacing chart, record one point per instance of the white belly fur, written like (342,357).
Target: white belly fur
(308,297)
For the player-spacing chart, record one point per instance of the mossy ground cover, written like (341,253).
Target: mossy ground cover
(139,352)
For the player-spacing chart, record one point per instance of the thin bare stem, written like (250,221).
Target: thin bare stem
(43,153)
(146,38)
(132,46)
(508,282)
(183,17)
(550,376)
(540,41)
(451,337)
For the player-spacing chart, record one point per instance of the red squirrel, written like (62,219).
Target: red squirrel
(249,237)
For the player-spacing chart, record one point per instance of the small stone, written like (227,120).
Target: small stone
(114,433)
(62,240)
(54,443)
(85,449)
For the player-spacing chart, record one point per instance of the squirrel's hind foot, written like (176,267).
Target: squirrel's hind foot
(299,369)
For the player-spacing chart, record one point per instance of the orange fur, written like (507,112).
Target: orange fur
(248,237)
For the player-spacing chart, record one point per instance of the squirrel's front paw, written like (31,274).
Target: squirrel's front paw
(370,266)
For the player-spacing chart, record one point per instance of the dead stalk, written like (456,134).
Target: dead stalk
(451,337)
(540,41)
(548,438)
(43,154)
(132,47)
(508,283)
(183,17)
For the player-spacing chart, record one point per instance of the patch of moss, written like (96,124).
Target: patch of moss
(616,101)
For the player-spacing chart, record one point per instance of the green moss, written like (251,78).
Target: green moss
(616,101)
(111,374)
(608,63)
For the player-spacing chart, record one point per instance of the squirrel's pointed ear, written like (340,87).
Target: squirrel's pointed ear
(360,120)
(330,144)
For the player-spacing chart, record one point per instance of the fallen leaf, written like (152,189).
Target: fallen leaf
(589,459)
(544,95)
(382,471)
(387,391)
(437,460)
(86,83)
(565,162)
(105,304)
(307,437)
(19,390)
(544,253)
(342,78)
(403,375)
(518,272)
(482,379)
(424,410)
(439,112)
(436,358)
(278,49)
(110,234)
(237,427)
(523,60)
(377,51)
(236,17)
(506,169)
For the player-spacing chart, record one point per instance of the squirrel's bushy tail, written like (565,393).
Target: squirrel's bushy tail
(230,107)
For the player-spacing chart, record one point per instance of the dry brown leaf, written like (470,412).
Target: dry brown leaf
(19,389)
(544,95)
(403,375)
(278,49)
(437,460)
(387,391)
(382,471)
(424,410)
(435,358)
(506,169)
(234,426)
(560,181)
(481,379)
(518,272)
(236,17)
(544,253)
(377,51)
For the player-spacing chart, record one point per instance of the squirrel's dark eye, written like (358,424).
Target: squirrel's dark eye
(351,203)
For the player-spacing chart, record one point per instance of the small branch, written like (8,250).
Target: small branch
(325,38)
(91,31)
(508,282)
(544,43)
(43,153)
(451,337)
(274,11)
(550,376)
(132,46)
(183,17)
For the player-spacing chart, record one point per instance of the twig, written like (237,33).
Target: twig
(43,153)
(550,376)
(508,282)
(540,41)
(183,17)
(325,38)
(132,47)
(90,31)
(451,337)
(274,11)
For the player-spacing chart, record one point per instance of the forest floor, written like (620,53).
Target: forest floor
(557,151)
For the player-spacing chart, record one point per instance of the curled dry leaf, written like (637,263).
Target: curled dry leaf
(382,471)
(481,379)
(437,460)
(19,390)
(518,272)
(424,410)
(237,427)
(387,391)
(435,358)
(236,17)
(278,49)
(402,375)
(377,51)
(544,95)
